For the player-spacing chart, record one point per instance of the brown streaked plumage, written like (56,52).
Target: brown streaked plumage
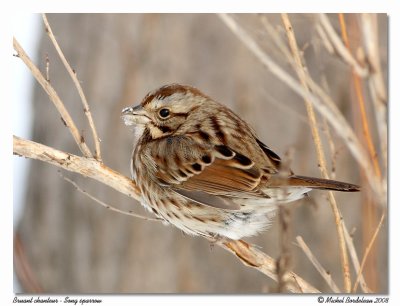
(203,169)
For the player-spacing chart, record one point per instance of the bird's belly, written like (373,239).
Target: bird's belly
(196,219)
(254,216)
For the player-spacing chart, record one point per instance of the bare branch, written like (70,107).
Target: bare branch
(74,78)
(326,276)
(324,38)
(332,148)
(47,68)
(354,259)
(284,261)
(253,257)
(88,167)
(66,117)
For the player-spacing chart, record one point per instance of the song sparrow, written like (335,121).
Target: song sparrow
(200,167)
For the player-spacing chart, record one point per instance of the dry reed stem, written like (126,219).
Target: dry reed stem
(321,101)
(47,68)
(284,262)
(355,260)
(324,38)
(342,51)
(361,104)
(367,251)
(369,31)
(325,275)
(78,86)
(89,167)
(285,108)
(66,117)
(319,150)
(332,149)
(109,207)
(277,39)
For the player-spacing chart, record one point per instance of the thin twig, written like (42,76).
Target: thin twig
(319,150)
(332,149)
(325,275)
(248,254)
(277,39)
(47,68)
(285,107)
(355,260)
(74,78)
(367,251)
(283,264)
(66,117)
(343,52)
(326,128)
(127,213)
(325,40)
(370,36)
(322,102)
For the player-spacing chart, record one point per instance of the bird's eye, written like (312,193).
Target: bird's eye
(164,113)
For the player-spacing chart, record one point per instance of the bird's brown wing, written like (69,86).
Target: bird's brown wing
(198,172)
(225,177)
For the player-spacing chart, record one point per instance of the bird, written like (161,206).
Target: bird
(200,167)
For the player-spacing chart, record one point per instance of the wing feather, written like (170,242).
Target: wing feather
(203,172)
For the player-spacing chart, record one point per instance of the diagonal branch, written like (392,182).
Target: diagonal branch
(78,86)
(327,277)
(66,117)
(89,167)
(355,260)
(340,48)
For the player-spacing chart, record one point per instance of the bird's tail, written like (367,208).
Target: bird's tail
(313,183)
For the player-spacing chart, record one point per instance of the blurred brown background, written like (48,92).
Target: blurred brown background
(71,245)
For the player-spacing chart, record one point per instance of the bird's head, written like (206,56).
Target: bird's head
(163,111)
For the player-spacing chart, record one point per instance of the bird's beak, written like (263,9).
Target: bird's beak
(135,115)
